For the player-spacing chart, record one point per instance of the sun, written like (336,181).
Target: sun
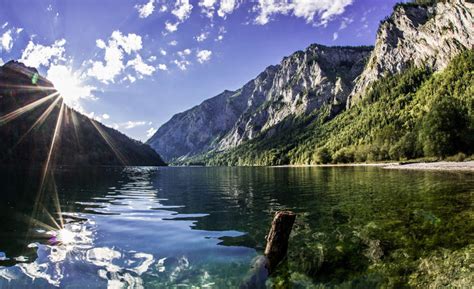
(65,236)
(70,85)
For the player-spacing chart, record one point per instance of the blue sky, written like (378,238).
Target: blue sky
(133,64)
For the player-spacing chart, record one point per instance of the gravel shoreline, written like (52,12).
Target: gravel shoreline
(435,166)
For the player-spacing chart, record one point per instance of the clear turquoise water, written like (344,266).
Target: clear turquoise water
(202,227)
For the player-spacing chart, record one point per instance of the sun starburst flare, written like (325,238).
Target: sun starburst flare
(64,98)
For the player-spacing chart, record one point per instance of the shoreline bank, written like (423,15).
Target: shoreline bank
(433,166)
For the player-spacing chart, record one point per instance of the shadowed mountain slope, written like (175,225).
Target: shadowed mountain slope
(36,125)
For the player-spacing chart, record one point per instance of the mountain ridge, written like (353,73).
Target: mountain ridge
(240,115)
(313,84)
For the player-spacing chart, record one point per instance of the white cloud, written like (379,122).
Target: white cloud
(152,58)
(182,64)
(6,41)
(207,7)
(113,66)
(226,7)
(307,9)
(345,21)
(163,52)
(207,3)
(7,38)
(150,132)
(127,125)
(184,52)
(129,43)
(1,61)
(170,27)
(162,66)
(201,37)
(163,8)
(221,33)
(140,67)
(100,44)
(335,36)
(105,116)
(130,78)
(182,10)
(117,47)
(173,43)
(146,10)
(132,124)
(36,55)
(203,56)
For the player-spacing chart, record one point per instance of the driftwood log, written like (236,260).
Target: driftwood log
(275,251)
(277,238)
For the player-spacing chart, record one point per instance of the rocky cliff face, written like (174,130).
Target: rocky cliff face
(418,35)
(301,84)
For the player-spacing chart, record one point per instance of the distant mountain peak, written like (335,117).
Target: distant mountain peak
(301,83)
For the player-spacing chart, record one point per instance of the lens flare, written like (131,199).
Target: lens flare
(65,236)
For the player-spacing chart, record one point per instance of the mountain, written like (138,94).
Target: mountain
(301,84)
(36,124)
(418,35)
(398,100)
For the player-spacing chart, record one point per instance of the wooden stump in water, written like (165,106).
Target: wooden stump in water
(277,238)
(275,251)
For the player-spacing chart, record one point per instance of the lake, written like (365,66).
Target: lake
(196,227)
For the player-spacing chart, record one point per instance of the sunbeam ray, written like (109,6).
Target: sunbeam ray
(34,221)
(18,112)
(40,120)
(46,169)
(109,142)
(27,87)
(52,218)
(56,202)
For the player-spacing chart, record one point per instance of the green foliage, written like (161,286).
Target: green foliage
(322,156)
(444,128)
(415,114)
